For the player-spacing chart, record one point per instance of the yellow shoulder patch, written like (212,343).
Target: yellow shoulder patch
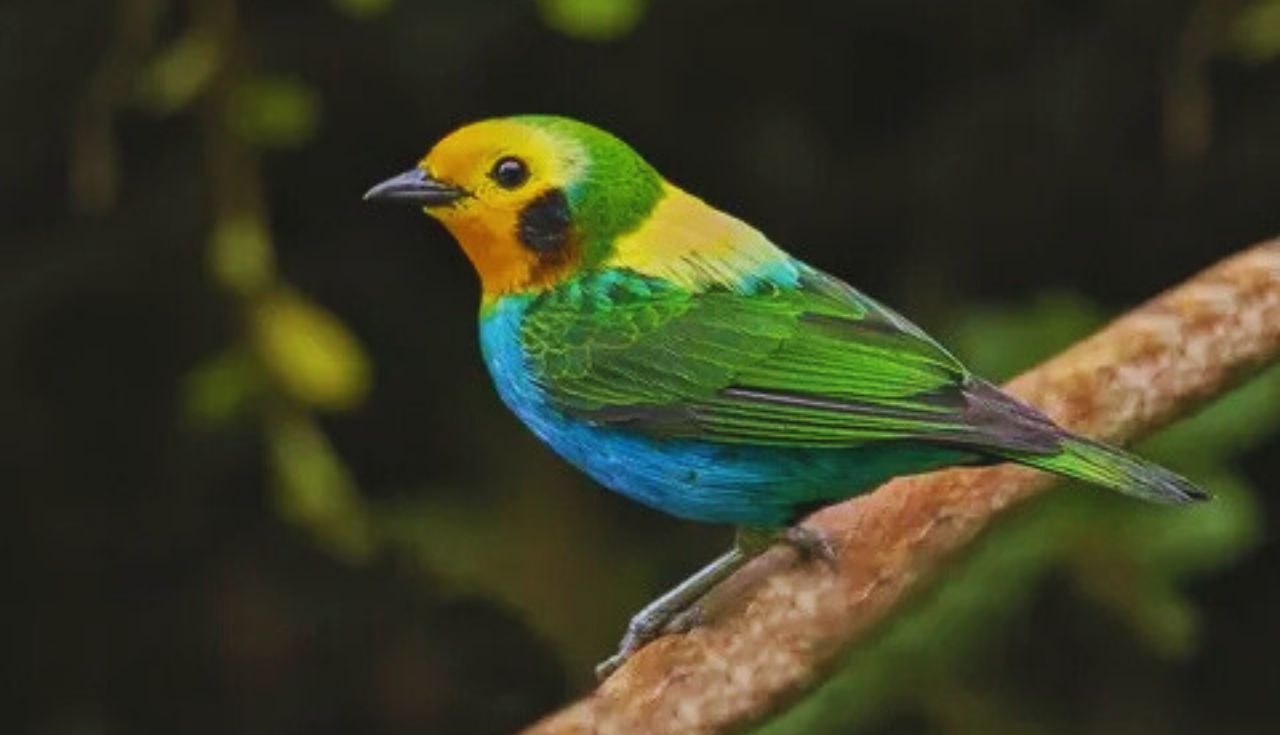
(694,245)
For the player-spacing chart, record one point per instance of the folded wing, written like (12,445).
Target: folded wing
(813,365)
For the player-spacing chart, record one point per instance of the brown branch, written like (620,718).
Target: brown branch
(781,635)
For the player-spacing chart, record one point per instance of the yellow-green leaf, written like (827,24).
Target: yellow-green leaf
(240,255)
(314,489)
(221,389)
(174,78)
(592,20)
(274,112)
(1255,35)
(308,353)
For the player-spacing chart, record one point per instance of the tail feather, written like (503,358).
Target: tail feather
(1097,463)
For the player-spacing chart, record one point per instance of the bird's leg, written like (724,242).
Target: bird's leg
(809,542)
(679,604)
(679,610)
(750,542)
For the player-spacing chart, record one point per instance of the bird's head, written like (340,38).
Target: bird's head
(532,200)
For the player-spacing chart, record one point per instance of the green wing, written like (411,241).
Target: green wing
(818,365)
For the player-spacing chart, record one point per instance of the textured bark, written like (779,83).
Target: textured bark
(780,625)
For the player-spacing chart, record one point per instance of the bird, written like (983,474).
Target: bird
(676,355)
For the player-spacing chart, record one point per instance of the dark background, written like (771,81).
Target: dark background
(258,481)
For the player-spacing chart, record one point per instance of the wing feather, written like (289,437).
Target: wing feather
(817,364)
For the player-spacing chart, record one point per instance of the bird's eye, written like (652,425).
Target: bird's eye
(510,172)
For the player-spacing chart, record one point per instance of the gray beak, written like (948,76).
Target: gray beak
(415,187)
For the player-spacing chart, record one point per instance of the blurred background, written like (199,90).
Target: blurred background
(258,481)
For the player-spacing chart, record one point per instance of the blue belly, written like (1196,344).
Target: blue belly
(703,481)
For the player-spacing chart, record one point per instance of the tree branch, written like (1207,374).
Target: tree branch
(771,640)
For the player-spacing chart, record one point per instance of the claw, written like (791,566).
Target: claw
(685,621)
(812,543)
(645,629)
(611,664)
(648,624)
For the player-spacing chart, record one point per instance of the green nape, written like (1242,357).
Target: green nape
(618,191)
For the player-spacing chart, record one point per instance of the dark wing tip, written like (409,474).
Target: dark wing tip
(1180,491)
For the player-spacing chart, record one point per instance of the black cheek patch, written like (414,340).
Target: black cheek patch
(543,226)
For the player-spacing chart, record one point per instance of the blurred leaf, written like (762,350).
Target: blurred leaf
(274,112)
(592,20)
(1132,559)
(178,75)
(999,342)
(1255,35)
(363,8)
(222,389)
(507,557)
(240,255)
(314,489)
(310,355)
(1231,424)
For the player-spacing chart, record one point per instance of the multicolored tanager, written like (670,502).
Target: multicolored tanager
(676,355)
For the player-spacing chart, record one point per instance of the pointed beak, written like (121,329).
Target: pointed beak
(415,187)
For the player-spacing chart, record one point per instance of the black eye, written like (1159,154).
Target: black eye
(510,172)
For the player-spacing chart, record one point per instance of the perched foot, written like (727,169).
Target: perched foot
(811,543)
(686,620)
(611,664)
(677,610)
(648,624)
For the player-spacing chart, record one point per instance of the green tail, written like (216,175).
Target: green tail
(1091,461)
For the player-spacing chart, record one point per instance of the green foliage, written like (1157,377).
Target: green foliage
(274,112)
(545,530)
(592,20)
(1128,558)
(173,79)
(1255,33)
(314,489)
(240,257)
(998,342)
(363,8)
(222,389)
(311,356)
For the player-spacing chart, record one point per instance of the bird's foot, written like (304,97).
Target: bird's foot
(676,611)
(685,620)
(811,543)
(644,627)
(611,664)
